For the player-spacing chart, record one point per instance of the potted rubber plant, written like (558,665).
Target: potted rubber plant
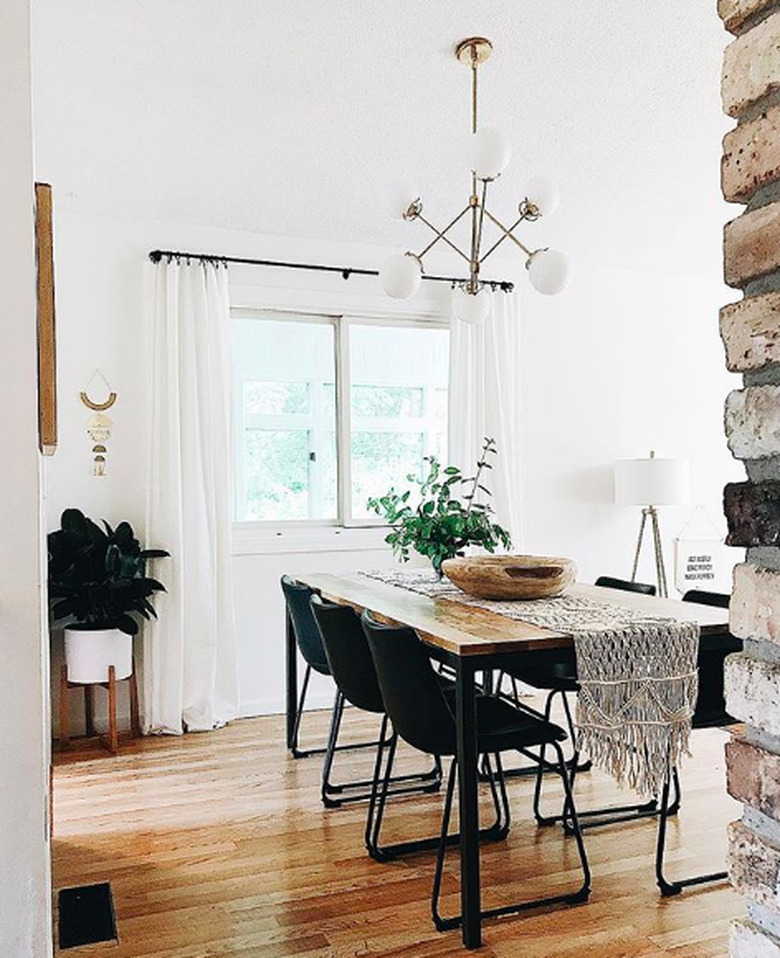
(447,516)
(98,582)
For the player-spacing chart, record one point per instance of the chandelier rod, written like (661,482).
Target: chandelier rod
(509,234)
(346,271)
(440,234)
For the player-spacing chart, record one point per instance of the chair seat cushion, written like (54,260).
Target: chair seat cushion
(501,727)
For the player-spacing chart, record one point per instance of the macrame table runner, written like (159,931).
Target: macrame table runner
(637,674)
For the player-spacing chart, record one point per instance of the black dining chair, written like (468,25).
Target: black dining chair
(352,668)
(423,717)
(710,712)
(556,673)
(309,642)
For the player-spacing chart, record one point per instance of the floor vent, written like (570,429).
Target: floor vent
(86,915)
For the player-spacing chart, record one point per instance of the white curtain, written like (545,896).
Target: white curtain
(484,400)
(190,676)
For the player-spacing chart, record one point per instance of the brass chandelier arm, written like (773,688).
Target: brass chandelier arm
(503,236)
(508,233)
(441,234)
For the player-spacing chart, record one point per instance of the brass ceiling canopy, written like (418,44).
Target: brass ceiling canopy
(474,49)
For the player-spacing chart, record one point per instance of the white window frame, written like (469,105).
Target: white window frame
(342,324)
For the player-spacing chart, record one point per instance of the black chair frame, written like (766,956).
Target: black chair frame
(402,667)
(670,888)
(361,791)
(572,898)
(498,831)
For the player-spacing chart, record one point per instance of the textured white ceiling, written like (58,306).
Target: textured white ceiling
(287,117)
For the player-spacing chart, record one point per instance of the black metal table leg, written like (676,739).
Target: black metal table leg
(291,657)
(466,721)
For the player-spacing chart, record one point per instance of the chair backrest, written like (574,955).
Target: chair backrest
(307,635)
(411,692)
(713,650)
(718,599)
(608,582)
(348,654)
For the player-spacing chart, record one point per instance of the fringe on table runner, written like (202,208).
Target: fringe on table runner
(638,675)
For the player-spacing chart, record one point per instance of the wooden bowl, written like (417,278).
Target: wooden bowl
(511,577)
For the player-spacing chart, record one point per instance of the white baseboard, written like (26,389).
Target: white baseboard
(276,706)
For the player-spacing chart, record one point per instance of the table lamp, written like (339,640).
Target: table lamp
(651,483)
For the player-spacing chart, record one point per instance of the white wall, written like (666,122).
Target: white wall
(623,362)
(25,905)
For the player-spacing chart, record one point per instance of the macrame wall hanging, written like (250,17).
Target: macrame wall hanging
(99,424)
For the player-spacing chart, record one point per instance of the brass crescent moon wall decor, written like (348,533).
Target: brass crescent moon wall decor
(98,406)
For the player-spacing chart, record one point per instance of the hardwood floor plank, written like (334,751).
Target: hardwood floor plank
(217,846)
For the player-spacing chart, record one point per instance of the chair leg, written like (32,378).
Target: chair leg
(296,752)
(442,923)
(543,819)
(327,765)
(369,837)
(497,831)
(572,898)
(666,887)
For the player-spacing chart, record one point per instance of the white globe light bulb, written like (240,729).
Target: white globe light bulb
(398,195)
(548,271)
(489,153)
(471,308)
(543,194)
(401,275)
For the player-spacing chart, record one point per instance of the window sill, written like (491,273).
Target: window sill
(252,539)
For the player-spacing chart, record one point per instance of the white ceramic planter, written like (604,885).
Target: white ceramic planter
(90,652)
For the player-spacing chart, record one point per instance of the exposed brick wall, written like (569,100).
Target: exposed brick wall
(750,174)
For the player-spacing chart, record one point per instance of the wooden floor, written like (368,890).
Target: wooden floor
(216,846)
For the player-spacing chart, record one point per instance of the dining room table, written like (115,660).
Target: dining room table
(473,640)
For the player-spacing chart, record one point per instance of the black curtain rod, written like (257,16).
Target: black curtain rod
(346,271)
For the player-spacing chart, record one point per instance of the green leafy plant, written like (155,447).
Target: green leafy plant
(443,523)
(98,575)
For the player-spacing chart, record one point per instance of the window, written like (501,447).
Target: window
(330,411)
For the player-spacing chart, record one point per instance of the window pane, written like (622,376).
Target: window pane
(381,460)
(285,420)
(398,377)
(277,474)
(392,401)
(265,397)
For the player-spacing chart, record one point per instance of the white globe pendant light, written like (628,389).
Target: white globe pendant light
(548,271)
(471,308)
(398,196)
(542,194)
(401,275)
(489,153)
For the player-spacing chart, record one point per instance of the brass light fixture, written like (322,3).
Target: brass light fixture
(489,154)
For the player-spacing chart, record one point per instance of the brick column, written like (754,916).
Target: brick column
(751,335)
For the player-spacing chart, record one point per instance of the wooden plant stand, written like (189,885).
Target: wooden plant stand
(111,740)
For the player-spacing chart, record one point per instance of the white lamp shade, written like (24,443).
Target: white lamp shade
(397,196)
(652,482)
(549,271)
(400,275)
(543,193)
(471,308)
(489,153)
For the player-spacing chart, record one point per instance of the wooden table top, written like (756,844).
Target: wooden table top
(464,630)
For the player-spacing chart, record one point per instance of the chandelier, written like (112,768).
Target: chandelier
(489,153)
